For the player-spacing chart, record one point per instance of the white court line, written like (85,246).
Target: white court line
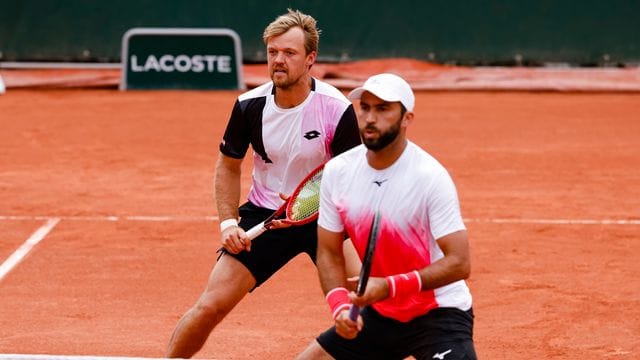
(28,245)
(166,218)
(67,357)
(559,221)
(159,218)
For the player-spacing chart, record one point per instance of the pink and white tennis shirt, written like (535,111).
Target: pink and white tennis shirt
(288,143)
(419,204)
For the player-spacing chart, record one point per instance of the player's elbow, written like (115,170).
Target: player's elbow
(462,267)
(465,270)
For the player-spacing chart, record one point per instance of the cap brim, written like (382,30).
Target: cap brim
(377,91)
(356,93)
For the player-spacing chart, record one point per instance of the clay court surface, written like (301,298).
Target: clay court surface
(118,188)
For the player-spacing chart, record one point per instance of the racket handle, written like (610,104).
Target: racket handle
(354,312)
(256,231)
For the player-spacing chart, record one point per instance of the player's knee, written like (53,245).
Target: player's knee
(207,310)
(314,352)
(212,308)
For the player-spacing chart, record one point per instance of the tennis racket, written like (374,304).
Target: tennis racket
(300,208)
(365,270)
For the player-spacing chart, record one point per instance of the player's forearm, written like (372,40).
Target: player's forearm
(227,189)
(454,266)
(444,272)
(330,261)
(331,271)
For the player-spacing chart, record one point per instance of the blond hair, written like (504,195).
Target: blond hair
(292,19)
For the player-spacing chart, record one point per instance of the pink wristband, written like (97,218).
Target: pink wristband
(404,284)
(338,300)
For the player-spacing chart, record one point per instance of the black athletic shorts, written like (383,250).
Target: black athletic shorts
(443,333)
(274,248)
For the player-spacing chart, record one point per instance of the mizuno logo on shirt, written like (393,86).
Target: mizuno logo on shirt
(441,355)
(309,135)
(379,182)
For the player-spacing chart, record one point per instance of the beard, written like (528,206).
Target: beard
(384,139)
(284,80)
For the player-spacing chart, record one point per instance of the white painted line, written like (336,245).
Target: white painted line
(112,218)
(559,221)
(169,218)
(67,357)
(28,245)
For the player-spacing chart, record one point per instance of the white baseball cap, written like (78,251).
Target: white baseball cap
(388,87)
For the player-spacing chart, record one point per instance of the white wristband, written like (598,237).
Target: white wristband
(224,225)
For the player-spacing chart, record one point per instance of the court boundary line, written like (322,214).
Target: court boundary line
(68,357)
(17,256)
(557,221)
(152,218)
(181,218)
(51,221)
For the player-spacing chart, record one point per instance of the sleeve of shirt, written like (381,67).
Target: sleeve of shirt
(347,134)
(444,207)
(329,218)
(235,140)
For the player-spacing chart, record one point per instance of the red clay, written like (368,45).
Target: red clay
(542,290)
(421,75)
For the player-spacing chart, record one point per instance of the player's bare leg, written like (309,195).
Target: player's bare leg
(314,352)
(228,283)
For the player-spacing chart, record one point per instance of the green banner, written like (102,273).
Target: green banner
(494,32)
(174,58)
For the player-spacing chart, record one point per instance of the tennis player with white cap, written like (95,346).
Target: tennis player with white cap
(416,302)
(388,87)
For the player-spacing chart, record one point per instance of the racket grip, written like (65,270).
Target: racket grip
(354,312)
(256,231)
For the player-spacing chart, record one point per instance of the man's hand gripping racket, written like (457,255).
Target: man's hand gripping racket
(300,208)
(367,261)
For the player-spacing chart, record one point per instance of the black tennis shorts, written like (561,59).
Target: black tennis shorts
(274,248)
(443,333)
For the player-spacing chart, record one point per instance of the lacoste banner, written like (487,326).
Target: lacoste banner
(168,58)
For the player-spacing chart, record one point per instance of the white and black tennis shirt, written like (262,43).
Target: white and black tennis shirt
(288,143)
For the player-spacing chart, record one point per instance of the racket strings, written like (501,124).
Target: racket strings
(307,200)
